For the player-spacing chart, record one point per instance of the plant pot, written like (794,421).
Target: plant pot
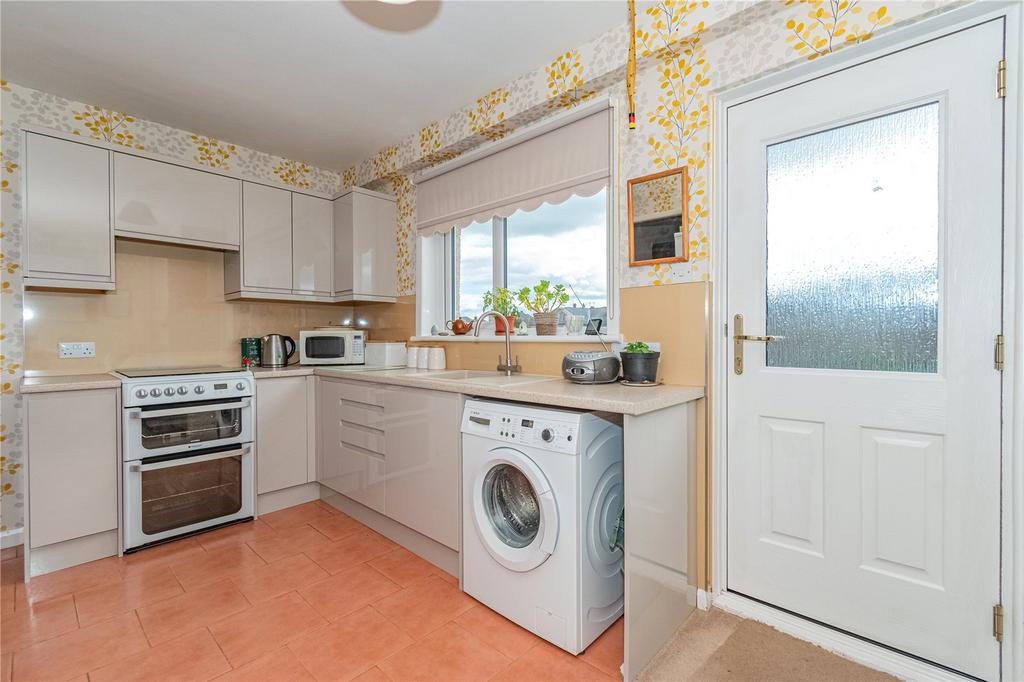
(547,323)
(640,367)
(499,324)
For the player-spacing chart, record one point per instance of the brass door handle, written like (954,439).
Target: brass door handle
(750,337)
(737,342)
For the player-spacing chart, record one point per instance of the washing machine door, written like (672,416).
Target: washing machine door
(514,510)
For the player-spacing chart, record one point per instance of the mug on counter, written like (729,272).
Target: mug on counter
(423,358)
(435,358)
(412,357)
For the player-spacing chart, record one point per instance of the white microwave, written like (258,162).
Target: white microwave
(332,346)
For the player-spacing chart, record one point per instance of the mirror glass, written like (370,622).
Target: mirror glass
(657,213)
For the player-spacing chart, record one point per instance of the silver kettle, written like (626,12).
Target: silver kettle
(277,348)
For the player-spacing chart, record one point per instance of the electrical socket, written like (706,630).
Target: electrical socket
(76,349)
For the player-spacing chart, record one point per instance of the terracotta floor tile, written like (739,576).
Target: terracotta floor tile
(354,549)
(279,577)
(424,606)
(230,562)
(194,656)
(547,663)
(6,661)
(403,567)
(7,599)
(449,578)
(152,585)
(38,622)
(74,579)
(289,541)
(348,591)
(606,652)
(374,674)
(12,571)
(296,516)
(277,666)
(8,553)
(179,615)
(160,557)
(80,651)
(498,631)
(349,646)
(337,525)
(265,627)
(449,653)
(237,534)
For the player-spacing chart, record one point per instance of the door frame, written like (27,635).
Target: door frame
(1012,456)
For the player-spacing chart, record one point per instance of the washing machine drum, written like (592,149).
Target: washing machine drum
(514,510)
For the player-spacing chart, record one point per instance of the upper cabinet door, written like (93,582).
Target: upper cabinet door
(67,213)
(312,245)
(266,237)
(364,247)
(161,201)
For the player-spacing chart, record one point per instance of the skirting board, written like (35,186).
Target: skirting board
(12,538)
(441,556)
(841,644)
(287,497)
(60,555)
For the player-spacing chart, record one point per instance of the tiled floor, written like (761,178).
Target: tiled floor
(305,593)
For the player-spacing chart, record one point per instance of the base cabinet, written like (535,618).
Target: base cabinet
(73,463)
(351,444)
(283,433)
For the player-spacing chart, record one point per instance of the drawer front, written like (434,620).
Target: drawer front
(368,394)
(362,437)
(363,415)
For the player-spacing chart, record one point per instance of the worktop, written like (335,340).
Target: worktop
(539,389)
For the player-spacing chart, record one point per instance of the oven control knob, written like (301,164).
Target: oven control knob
(200,390)
(168,391)
(240,386)
(141,393)
(547,436)
(155,392)
(182,390)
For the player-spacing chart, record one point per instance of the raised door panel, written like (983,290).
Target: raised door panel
(281,436)
(157,200)
(423,445)
(266,237)
(312,245)
(67,210)
(73,463)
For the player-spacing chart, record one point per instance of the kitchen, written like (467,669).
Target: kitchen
(431,394)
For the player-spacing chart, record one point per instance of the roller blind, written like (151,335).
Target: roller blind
(549,168)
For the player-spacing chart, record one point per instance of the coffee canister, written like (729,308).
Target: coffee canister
(251,349)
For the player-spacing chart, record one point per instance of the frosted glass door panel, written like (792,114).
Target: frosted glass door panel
(853,235)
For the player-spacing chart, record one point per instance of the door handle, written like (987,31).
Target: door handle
(737,342)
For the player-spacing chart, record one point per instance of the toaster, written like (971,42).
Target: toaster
(591,367)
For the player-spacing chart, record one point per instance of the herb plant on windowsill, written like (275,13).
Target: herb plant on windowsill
(545,302)
(502,301)
(639,363)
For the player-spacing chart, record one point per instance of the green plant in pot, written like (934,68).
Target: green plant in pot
(503,302)
(639,363)
(544,301)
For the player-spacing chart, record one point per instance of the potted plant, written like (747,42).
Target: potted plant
(639,363)
(544,301)
(503,302)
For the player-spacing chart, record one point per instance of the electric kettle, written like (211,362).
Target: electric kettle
(277,348)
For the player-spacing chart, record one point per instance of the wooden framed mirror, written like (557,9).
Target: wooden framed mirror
(658,217)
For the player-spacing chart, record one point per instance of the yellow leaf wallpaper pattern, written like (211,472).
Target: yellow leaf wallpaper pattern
(384,162)
(294,173)
(348,178)
(430,145)
(827,26)
(565,81)
(107,125)
(212,152)
(402,188)
(487,117)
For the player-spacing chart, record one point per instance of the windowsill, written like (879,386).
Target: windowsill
(492,338)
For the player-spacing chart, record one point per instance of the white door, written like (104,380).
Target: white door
(864,230)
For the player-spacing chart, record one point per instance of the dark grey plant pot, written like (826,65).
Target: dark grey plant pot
(640,367)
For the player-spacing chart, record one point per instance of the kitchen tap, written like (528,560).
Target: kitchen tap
(503,365)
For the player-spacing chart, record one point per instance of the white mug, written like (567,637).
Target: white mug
(412,357)
(435,358)
(422,358)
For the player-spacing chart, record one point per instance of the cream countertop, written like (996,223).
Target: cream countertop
(48,383)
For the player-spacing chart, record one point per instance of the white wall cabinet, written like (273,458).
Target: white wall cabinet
(73,463)
(346,465)
(69,241)
(164,202)
(266,237)
(312,245)
(422,431)
(283,411)
(364,247)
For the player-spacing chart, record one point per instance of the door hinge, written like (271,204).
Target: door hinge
(997,622)
(1000,352)
(1001,79)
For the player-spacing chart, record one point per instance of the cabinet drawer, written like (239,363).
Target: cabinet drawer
(363,437)
(368,394)
(355,473)
(363,415)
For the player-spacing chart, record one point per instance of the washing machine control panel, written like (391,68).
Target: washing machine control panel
(522,429)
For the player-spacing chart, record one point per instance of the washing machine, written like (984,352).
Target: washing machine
(542,492)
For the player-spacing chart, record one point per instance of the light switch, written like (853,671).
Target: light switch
(76,349)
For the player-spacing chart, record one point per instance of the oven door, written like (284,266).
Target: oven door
(168,496)
(168,429)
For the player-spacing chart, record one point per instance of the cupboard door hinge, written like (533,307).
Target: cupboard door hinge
(997,622)
(1001,79)
(1000,352)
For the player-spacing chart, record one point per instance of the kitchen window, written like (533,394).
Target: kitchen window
(534,206)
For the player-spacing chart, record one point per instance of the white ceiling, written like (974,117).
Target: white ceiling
(304,80)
